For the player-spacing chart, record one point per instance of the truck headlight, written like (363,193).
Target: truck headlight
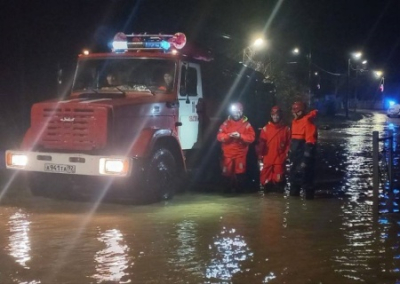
(16,160)
(114,166)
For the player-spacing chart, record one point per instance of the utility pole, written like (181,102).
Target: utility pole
(346,98)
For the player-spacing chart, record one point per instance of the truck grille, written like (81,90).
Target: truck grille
(73,128)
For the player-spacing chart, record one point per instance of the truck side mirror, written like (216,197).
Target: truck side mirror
(59,76)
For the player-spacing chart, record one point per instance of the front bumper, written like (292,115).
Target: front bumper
(69,163)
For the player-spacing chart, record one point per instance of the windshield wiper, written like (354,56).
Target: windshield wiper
(94,90)
(122,91)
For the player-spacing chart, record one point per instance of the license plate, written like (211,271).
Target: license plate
(57,168)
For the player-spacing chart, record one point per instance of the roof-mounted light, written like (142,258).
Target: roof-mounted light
(123,42)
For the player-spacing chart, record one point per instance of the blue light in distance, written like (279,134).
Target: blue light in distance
(391,103)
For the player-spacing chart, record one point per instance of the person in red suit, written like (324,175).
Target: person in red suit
(302,151)
(235,135)
(272,149)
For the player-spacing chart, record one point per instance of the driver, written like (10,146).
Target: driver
(112,80)
(167,82)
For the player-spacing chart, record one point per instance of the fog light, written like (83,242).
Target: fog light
(114,166)
(16,160)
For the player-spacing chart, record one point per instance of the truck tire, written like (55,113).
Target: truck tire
(161,175)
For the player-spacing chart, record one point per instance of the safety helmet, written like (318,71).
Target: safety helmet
(276,110)
(298,106)
(236,111)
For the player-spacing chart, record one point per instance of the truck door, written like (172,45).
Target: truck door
(190,91)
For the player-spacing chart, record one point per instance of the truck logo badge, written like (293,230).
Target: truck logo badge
(67,119)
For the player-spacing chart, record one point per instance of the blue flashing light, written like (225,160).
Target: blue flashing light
(120,45)
(165,45)
(391,103)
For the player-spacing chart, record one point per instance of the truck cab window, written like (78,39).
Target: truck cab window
(136,74)
(189,82)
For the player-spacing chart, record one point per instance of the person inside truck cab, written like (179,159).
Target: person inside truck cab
(167,84)
(112,80)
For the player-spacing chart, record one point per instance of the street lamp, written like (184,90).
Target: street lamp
(356,82)
(379,75)
(250,51)
(296,51)
(258,42)
(355,56)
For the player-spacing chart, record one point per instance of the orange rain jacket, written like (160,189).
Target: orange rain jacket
(304,138)
(235,149)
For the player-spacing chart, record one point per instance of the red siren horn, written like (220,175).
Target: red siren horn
(178,40)
(120,37)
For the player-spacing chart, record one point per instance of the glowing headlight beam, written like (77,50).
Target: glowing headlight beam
(113,166)
(17,160)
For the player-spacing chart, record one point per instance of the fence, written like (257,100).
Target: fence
(384,173)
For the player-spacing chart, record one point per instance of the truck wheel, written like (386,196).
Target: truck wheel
(160,178)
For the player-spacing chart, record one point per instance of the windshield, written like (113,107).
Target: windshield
(125,74)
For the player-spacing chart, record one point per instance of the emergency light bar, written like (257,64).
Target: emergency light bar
(123,42)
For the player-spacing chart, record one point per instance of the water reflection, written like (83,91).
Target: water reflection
(229,249)
(20,245)
(113,261)
(187,240)
(362,243)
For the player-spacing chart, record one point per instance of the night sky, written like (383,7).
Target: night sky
(39,36)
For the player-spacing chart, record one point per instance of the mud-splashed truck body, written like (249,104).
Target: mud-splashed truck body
(123,128)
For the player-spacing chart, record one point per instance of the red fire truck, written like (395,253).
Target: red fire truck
(133,119)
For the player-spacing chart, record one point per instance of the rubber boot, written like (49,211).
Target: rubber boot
(240,183)
(227,184)
(268,188)
(280,187)
(295,190)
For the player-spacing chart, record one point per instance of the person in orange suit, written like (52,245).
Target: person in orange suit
(272,149)
(302,152)
(235,135)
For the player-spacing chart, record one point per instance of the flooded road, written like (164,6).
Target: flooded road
(212,238)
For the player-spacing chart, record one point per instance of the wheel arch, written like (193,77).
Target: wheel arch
(172,144)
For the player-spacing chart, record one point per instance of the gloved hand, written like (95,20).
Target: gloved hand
(234,134)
